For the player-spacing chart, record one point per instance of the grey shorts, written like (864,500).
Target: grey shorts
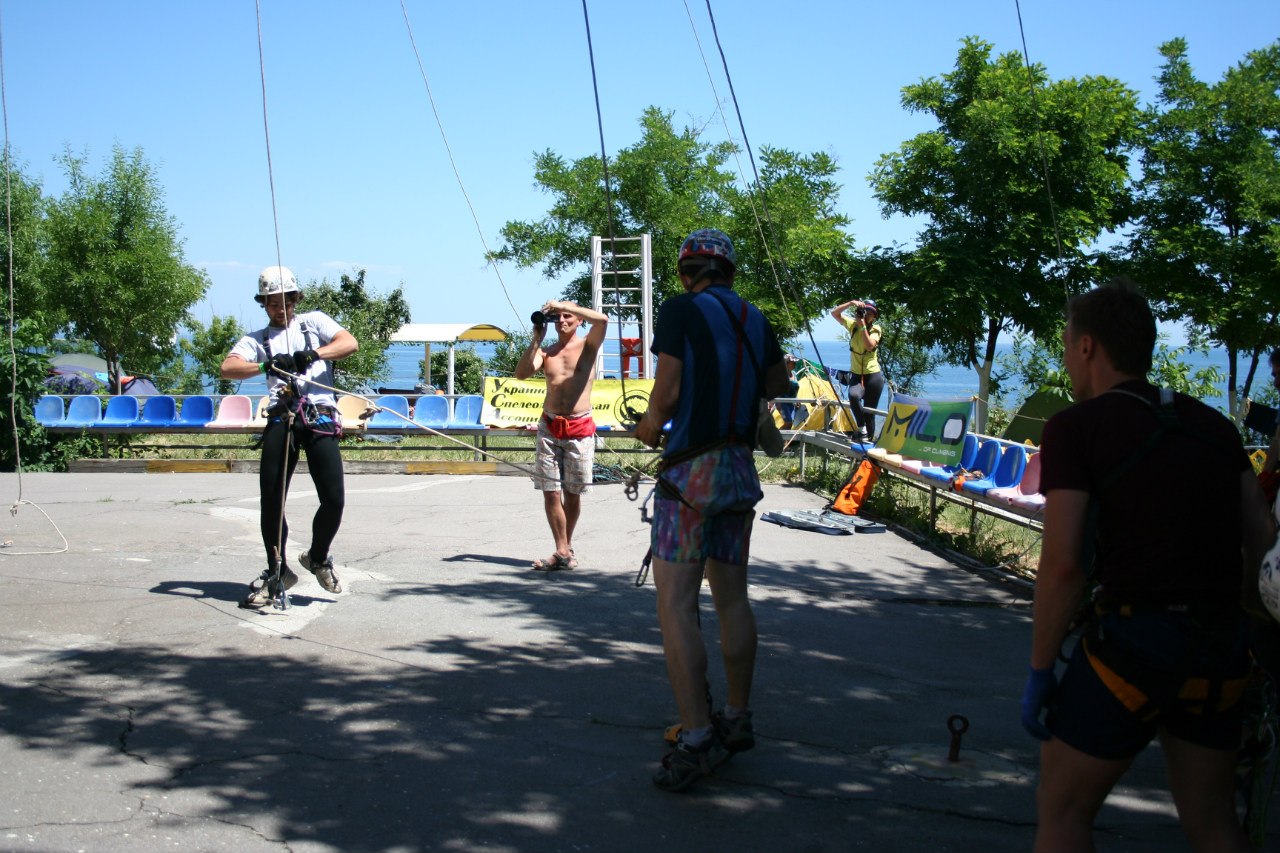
(563,464)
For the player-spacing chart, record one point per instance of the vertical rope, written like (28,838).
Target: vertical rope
(608,201)
(11,319)
(266,133)
(456,174)
(1044,158)
(796,293)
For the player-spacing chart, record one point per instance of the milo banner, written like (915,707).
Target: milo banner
(933,430)
(518,402)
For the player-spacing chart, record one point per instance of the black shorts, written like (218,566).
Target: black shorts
(1131,675)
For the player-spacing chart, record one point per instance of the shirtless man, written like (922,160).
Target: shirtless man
(566,431)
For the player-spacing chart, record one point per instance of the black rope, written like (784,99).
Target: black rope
(608,201)
(796,293)
(1044,159)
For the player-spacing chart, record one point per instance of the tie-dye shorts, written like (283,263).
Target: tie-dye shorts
(705,507)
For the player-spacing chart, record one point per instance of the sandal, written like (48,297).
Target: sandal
(554,563)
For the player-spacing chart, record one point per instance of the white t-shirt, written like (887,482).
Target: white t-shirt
(311,330)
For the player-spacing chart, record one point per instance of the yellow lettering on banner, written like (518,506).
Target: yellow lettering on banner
(894,434)
(517,402)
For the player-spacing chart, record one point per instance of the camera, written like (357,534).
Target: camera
(860,312)
(538,318)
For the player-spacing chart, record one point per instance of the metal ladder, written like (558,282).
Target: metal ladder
(625,296)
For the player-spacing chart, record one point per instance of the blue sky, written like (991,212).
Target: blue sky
(362,178)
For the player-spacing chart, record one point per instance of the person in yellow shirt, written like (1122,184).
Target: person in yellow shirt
(866,380)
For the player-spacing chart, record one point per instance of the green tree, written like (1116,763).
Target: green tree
(994,255)
(371,318)
(204,347)
(672,182)
(506,354)
(468,370)
(1208,233)
(25,220)
(118,263)
(23,439)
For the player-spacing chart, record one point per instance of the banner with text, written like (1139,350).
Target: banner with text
(518,402)
(932,430)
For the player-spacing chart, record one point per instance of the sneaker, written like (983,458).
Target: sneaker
(737,734)
(324,572)
(684,765)
(260,593)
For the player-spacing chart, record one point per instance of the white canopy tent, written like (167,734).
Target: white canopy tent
(445,333)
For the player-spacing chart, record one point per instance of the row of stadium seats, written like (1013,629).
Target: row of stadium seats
(1002,473)
(162,413)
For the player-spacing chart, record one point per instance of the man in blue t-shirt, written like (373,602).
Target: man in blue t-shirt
(717,358)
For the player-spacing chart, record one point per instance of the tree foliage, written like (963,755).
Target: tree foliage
(25,220)
(506,354)
(204,347)
(672,182)
(995,255)
(468,370)
(1207,238)
(371,318)
(117,261)
(23,437)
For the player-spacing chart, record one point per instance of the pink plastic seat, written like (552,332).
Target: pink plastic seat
(1026,495)
(233,411)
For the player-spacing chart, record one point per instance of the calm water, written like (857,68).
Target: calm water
(947,381)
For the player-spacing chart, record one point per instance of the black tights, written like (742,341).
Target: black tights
(865,390)
(324,462)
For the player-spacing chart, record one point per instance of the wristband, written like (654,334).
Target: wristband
(262,367)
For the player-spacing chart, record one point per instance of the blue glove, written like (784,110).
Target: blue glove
(1041,685)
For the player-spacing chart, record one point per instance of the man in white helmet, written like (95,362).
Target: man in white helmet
(294,351)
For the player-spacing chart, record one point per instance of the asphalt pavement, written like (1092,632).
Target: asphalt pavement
(452,699)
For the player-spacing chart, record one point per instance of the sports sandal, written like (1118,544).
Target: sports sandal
(736,733)
(554,563)
(683,766)
(260,588)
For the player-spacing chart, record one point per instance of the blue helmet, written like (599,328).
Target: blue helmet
(711,244)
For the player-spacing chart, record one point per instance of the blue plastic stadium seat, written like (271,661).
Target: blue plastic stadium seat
(1008,471)
(968,453)
(158,412)
(122,411)
(84,411)
(466,412)
(397,403)
(432,411)
(50,411)
(196,412)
